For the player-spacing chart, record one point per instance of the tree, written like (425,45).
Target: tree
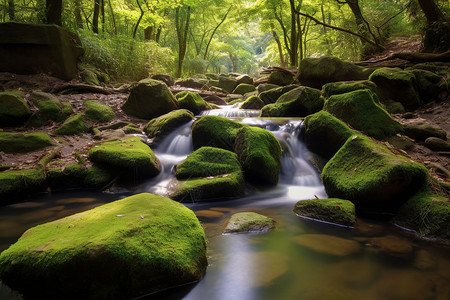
(182,28)
(95,17)
(11,10)
(437,31)
(53,10)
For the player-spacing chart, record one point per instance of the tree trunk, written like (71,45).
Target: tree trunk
(214,32)
(158,34)
(182,37)
(294,41)
(95,17)
(102,13)
(148,33)
(113,17)
(11,10)
(53,12)
(78,18)
(280,48)
(431,11)
(437,32)
(139,20)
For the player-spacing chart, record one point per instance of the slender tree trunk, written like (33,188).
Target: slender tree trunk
(139,20)
(294,41)
(182,37)
(280,48)
(53,12)
(158,34)
(102,13)
(78,18)
(113,17)
(11,10)
(214,32)
(95,17)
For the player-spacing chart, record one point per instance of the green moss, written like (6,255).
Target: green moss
(13,108)
(422,130)
(331,210)
(227,84)
(208,161)
(358,109)
(259,153)
(249,222)
(73,125)
(97,177)
(20,142)
(299,102)
(50,108)
(66,108)
(342,87)
(98,112)
(395,108)
(252,102)
(215,131)
(71,176)
(280,78)
(370,176)
(427,84)
(20,183)
(426,213)
(324,134)
(89,77)
(121,250)
(159,127)
(272,95)
(244,88)
(132,129)
(192,101)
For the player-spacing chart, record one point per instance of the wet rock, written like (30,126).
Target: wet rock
(421,131)
(368,229)
(244,79)
(150,99)
(244,88)
(299,102)
(215,131)
(78,176)
(424,260)
(98,112)
(13,109)
(244,222)
(360,111)
(20,183)
(437,144)
(99,253)
(166,78)
(252,102)
(281,78)
(210,214)
(331,210)
(370,176)
(161,126)
(328,244)
(192,101)
(342,87)
(19,142)
(272,95)
(73,125)
(214,99)
(227,84)
(393,246)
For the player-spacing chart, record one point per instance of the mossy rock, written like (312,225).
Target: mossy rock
(315,72)
(192,101)
(244,88)
(73,125)
(426,213)
(252,102)
(129,157)
(166,78)
(245,222)
(263,87)
(132,129)
(71,176)
(324,134)
(395,108)
(215,131)
(359,109)
(97,177)
(66,108)
(161,126)
(13,109)
(212,76)
(89,77)
(271,96)
(98,112)
(299,102)
(227,84)
(280,78)
(20,184)
(244,78)
(437,144)
(427,84)
(331,210)
(342,87)
(208,161)
(397,85)
(121,250)
(149,99)
(259,153)
(194,82)
(19,142)
(370,176)
(50,108)
(422,130)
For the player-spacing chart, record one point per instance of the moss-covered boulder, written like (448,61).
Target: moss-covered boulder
(437,144)
(315,72)
(299,102)
(78,176)
(227,84)
(244,222)
(166,78)
(11,142)
(244,79)
(130,157)
(359,109)
(427,84)
(13,109)
(370,176)
(208,161)
(121,250)
(259,153)
(161,126)
(215,131)
(18,184)
(272,95)
(331,210)
(422,130)
(98,112)
(149,99)
(324,134)
(49,108)
(263,87)
(281,78)
(426,213)
(397,85)
(342,87)
(244,88)
(192,101)
(89,77)
(252,102)
(194,82)
(73,125)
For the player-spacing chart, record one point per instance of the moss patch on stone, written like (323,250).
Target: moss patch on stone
(98,112)
(11,142)
(20,183)
(280,78)
(73,125)
(342,87)
(124,249)
(331,210)
(244,222)
(244,88)
(13,108)
(272,95)
(252,102)
(421,131)
(161,126)
(192,101)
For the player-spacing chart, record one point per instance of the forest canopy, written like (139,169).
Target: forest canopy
(130,39)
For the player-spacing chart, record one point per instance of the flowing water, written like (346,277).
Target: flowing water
(273,265)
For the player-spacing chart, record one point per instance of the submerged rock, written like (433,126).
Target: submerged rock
(13,109)
(331,210)
(124,249)
(20,183)
(73,125)
(244,222)
(11,142)
(161,126)
(98,112)
(192,101)
(393,246)
(328,244)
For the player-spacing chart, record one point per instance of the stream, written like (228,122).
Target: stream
(271,265)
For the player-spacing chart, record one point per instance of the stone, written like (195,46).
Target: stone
(121,250)
(13,109)
(365,229)
(245,222)
(422,130)
(263,87)
(160,127)
(393,246)
(244,88)
(337,211)
(244,79)
(356,273)
(328,244)
(272,95)
(19,184)
(166,78)
(73,125)
(149,99)
(342,87)
(11,142)
(427,84)
(280,78)
(195,83)
(299,102)
(252,102)
(437,144)
(50,108)
(89,77)
(98,112)
(192,101)
(227,84)
(401,142)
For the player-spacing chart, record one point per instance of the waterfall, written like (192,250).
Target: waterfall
(233,111)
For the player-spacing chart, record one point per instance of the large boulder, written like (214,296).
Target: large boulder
(396,85)
(337,211)
(342,87)
(13,109)
(73,125)
(359,109)
(272,95)
(227,84)
(299,102)
(161,126)
(149,99)
(166,78)
(259,153)
(427,84)
(11,142)
(121,250)
(194,82)
(244,79)
(281,78)
(17,184)
(192,101)
(244,88)
(252,102)
(33,48)
(245,222)
(315,72)
(324,134)
(370,176)
(98,112)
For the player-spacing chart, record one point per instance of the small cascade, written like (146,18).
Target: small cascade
(178,142)
(232,111)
